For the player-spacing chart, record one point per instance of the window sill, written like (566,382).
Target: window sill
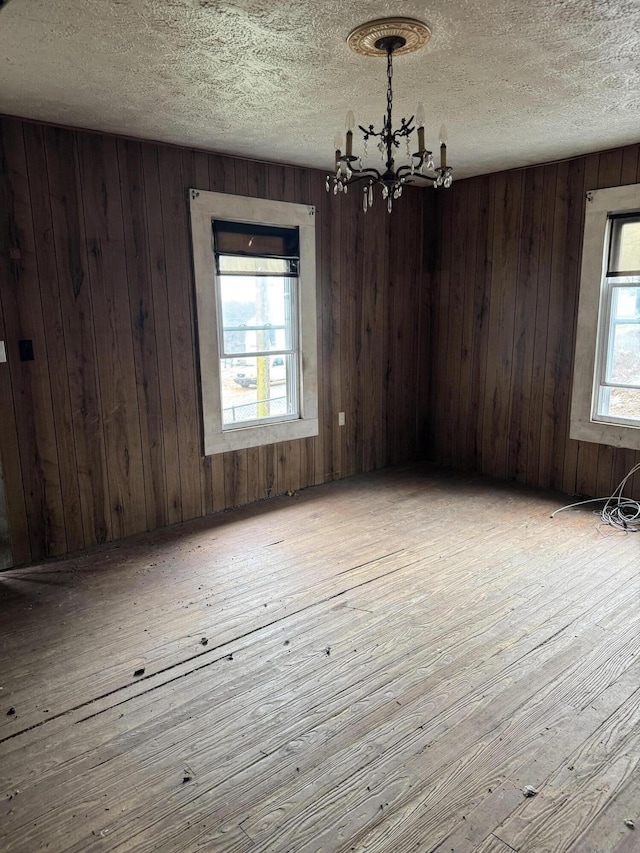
(240,438)
(605,433)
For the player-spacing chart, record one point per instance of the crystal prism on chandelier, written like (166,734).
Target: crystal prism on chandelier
(376,38)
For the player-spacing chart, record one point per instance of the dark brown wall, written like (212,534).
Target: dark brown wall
(503,317)
(100,435)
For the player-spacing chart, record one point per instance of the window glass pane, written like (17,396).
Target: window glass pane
(623,363)
(256,313)
(620,403)
(624,255)
(258,388)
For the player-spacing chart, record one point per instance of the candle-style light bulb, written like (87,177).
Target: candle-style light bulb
(350,125)
(443,147)
(337,142)
(420,124)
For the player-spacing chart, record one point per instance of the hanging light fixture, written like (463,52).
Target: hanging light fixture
(389,37)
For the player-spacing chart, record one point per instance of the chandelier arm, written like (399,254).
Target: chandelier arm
(363,175)
(406,170)
(417,176)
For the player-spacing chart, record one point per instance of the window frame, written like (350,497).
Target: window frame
(593,320)
(205,207)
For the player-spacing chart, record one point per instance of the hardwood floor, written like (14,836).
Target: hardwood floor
(378,664)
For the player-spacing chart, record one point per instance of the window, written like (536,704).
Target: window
(254,263)
(606,391)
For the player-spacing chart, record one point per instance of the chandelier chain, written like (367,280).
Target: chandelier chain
(389,133)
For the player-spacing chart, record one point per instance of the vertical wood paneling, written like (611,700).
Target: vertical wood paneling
(141,307)
(467,330)
(374,341)
(347,228)
(302,195)
(328,331)
(565,451)
(334,337)
(22,310)
(173,199)
(103,433)
(480,279)
(410,281)
(427,287)
(553,368)
(76,306)
(104,235)
(545,247)
(587,457)
(11,468)
(525,313)
(405,279)
(163,343)
(440,307)
(526,280)
(506,221)
(54,335)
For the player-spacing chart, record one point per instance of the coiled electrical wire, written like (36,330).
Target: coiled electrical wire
(618,511)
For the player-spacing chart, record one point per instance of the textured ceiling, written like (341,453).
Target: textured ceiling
(516,81)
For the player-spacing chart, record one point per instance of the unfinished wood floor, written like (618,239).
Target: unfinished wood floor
(389,660)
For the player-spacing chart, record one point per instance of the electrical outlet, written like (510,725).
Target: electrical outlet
(341,420)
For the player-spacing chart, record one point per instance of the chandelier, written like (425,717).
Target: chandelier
(388,36)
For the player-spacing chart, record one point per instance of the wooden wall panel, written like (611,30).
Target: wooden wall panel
(65,196)
(112,329)
(173,198)
(138,272)
(56,347)
(11,468)
(100,435)
(524,228)
(22,311)
(162,336)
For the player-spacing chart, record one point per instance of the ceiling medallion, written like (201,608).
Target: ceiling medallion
(365,38)
(387,37)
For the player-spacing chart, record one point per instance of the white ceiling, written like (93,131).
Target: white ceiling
(517,81)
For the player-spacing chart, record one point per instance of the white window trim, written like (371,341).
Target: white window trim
(205,207)
(600,204)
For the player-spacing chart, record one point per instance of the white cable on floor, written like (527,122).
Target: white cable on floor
(621,513)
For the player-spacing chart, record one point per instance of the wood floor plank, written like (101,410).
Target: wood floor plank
(199,604)
(172,824)
(372,679)
(491,844)
(602,767)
